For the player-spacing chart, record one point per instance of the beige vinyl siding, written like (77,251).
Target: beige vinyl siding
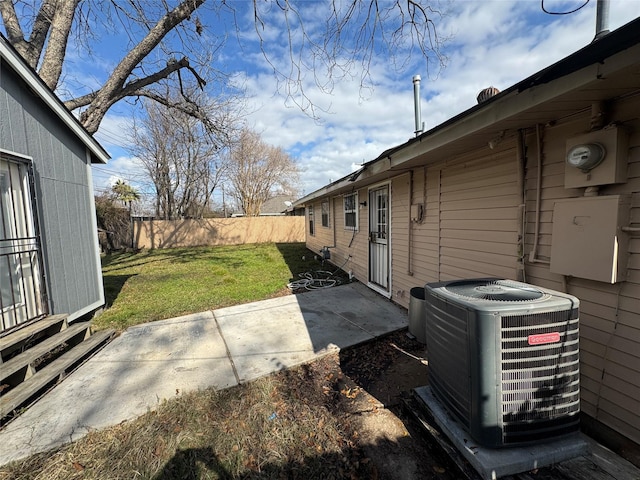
(399,238)
(411,266)
(479,217)
(338,238)
(350,251)
(609,314)
(322,236)
(470,224)
(358,250)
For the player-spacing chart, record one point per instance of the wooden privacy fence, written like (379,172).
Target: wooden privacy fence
(218,231)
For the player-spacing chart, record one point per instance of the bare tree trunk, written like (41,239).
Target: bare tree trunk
(55,52)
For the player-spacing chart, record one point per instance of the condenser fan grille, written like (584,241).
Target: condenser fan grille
(497,290)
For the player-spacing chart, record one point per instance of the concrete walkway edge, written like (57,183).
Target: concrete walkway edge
(153,362)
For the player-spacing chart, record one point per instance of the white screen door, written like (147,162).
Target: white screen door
(379,237)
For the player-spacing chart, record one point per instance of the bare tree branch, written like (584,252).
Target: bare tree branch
(15,34)
(57,44)
(355,33)
(104,99)
(135,87)
(257,170)
(323,42)
(40,31)
(179,157)
(189,108)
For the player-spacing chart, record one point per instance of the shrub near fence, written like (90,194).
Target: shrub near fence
(218,231)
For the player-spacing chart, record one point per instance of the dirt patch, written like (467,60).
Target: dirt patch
(386,370)
(339,417)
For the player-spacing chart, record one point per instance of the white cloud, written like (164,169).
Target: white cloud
(496,43)
(125,168)
(114,129)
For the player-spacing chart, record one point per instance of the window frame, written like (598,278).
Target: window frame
(325,209)
(311,220)
(350,209)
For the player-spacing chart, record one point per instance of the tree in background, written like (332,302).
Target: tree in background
(113,222)
(169,43)
(126,194)
(181,157)
(257,171)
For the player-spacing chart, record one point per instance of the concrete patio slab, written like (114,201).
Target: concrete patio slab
(156,361)
(353,310)
(265,337)
(279,333)
(131,375)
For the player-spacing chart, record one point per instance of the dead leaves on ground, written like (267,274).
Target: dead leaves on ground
(351,392)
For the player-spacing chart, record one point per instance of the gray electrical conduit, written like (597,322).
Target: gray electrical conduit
(534,251)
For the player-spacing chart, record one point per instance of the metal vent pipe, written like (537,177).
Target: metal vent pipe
(416,105)
(602,19)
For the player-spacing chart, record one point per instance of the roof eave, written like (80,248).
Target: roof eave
(17,63)
(586,65)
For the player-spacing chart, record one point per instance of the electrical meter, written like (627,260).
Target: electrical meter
(585,156)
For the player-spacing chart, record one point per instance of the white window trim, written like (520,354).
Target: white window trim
(354,211)
(326,202)
(311,220)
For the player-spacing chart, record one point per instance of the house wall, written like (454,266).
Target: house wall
(64,194)
(609,313)
(470,228)
(470,222)
(349,249)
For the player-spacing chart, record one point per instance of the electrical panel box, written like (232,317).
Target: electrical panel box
(588,241)
(612,169)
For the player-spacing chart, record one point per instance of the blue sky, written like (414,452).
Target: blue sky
(492,43)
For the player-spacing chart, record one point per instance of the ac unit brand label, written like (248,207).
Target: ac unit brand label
(543,338)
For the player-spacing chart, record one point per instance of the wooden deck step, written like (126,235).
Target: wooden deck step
(50,375)
(27,361)
(17,340)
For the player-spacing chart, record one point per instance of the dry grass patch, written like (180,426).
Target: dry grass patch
(287,425)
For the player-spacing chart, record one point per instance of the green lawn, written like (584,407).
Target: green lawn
(157,284)
(296,423)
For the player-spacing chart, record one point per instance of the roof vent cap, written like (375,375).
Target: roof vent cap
(487,93)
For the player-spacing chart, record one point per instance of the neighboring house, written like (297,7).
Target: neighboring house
(489,193)
(49,253)
(278,205)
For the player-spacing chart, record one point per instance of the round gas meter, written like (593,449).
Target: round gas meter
(585,156)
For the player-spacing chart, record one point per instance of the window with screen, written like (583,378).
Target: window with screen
(351,211)
(325,213)
(311,225)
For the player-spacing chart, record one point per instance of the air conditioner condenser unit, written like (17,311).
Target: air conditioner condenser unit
(504,359)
